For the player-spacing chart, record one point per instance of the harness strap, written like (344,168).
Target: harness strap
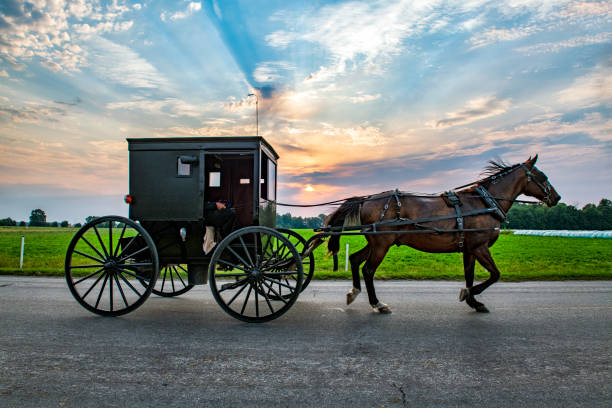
(491,202)
(454,200)
(386,207)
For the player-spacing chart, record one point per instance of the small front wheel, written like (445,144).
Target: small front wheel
(111,265)
(171,281)
(246,269)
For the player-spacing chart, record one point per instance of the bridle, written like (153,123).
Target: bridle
(546,188)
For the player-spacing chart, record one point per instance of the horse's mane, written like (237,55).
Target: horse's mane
(495,168)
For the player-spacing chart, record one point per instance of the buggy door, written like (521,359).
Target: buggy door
(229,177)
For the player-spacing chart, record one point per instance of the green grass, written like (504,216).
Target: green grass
(517,257)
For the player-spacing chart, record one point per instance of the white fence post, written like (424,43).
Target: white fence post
(21,256)
(346,260)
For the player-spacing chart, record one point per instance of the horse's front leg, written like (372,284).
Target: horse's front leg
(483,255)
(369,269)
(356,259)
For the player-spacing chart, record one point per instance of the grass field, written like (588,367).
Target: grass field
(518,257)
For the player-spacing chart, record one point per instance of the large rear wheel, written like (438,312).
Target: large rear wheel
(111,265)
(246,269)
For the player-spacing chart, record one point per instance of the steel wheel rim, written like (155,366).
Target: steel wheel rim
(245,267)
(115,265)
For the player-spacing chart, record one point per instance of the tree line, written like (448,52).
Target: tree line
(561,217)
(520,216)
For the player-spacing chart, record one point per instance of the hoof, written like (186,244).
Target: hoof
(481,308)
(352,295)
(382,308)
(464,294)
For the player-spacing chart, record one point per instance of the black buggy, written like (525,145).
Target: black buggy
(255,273)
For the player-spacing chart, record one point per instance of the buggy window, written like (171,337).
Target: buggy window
(214,179)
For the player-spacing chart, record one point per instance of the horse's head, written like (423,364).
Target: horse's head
(538,185)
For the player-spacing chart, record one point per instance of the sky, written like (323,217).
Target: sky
(357,97)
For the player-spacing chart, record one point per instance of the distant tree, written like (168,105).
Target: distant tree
(38,218)
(8,222)
(78,225)
(64,224)
(54,224)
(22,223)
(90,218)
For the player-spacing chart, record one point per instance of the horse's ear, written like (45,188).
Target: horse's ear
(532,161)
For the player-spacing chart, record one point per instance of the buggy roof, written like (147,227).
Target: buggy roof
(208,142)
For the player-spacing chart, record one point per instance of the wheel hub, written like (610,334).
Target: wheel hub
(256,275)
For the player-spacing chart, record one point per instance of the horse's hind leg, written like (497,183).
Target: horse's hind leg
(469,261)
(486,260)
(356,259)
(377,254)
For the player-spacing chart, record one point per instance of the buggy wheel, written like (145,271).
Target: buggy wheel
(170,283)
(111,265)
(250,263)
(308,263)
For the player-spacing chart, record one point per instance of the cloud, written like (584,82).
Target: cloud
(172,107)
(271,71)
(120,64)
(32,113)
(557,46)
(367,33)
(592,89)
(495,35)
(192,8)
(52,30)
(592,125)
(474,110)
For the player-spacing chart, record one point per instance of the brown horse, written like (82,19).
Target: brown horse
(503,184)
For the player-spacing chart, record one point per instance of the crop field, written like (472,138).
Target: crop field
(517,257)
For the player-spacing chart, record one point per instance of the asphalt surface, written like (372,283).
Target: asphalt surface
(545,344)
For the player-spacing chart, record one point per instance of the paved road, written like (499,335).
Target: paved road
(544,344)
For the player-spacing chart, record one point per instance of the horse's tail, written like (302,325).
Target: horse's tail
(351,210)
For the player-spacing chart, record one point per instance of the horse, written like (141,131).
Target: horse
(497,191)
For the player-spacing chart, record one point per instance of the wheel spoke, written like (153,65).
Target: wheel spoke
(93,258)
(263,292)
(102,290)
(128,245)
(164,279)
(233,285)
(101,242)
(119,241)
(246,299)
(230,275)
(88,276)
(281,273)
(123,258)
(139,264)
(233,265)
(292,289)
(278,295)
(110,286)
(110,238)
(246,251)
(84,266)
(256,303)
(236,295)
(93,286)
(129,285)
(121,290)
(236,255)
(179,275)
(142,278)
(172,281)
(92,247)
